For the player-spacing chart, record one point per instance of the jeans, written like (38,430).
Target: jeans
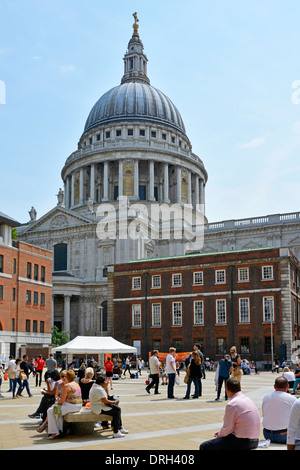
(230,442)
(296,383)
(276,437)
(171,383)
(25,384)
(195,380)
(115,413)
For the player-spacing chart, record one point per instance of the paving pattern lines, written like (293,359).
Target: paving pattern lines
(153,421)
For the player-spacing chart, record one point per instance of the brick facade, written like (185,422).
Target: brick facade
(25,297)
(218,300)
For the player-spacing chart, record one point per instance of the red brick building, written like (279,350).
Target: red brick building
(218,300)
(25,294)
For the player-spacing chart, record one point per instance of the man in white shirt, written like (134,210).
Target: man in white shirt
(276,409)
(171,371)
(101,404)
(154,372)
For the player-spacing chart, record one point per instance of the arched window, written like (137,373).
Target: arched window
(60,257)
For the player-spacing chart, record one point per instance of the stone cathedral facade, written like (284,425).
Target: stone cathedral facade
(134,149)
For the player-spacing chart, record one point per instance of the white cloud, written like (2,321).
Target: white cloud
(67,69)
(255,142)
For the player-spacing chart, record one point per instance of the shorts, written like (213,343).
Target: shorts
(109,374)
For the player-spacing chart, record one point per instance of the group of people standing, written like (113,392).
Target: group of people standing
(195,364)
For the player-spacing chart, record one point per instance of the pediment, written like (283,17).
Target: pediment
(56,219)
(251,245)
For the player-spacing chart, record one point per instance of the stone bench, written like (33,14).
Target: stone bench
(83,422)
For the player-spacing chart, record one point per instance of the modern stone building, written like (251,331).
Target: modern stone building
(134,150)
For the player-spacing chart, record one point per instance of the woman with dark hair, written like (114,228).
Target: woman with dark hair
(195,375)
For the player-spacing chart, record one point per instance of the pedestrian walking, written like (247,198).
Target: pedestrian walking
(154,372)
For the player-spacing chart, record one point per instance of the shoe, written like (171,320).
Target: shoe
(34,416)
(157,393)
(118,434)
(123,431)
(148,391)
(186,398)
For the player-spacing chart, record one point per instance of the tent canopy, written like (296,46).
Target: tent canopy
(94,345)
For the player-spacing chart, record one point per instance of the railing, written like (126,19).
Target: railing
(274,219)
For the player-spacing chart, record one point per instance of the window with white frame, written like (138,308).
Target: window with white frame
(267,272)
(177,314)
(176,280)
(268,309)
(244,310)
(220,276)
(198,278)
(198,312)
(156,281)
(221,311)
(136,315)
(243,274)
(156,314)
(136,283)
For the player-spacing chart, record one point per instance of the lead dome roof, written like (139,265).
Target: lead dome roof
(135,101)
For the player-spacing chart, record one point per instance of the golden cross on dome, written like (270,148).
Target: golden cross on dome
(135,25)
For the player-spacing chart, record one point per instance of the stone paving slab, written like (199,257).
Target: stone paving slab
(153,421)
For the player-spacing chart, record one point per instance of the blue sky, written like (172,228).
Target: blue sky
(229,67)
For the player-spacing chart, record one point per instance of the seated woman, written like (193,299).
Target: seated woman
(48,398)
(85,384)
(70,402)
(58,393)
(289,375)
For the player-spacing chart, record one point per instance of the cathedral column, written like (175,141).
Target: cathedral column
(151,181)
(120,178)
(92,182)
(166,183)
(67,192)
(105,182)
(196,190)
(67,313)
(72,189)
(189,187)
(81,186)
(178,174)
(136,179)
(201,191)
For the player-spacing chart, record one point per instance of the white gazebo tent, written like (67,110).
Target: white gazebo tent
(94,345)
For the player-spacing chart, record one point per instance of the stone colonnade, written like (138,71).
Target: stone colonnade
(147,180)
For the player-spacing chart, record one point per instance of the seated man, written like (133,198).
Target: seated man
(241,426)
(276,409)
(101,404)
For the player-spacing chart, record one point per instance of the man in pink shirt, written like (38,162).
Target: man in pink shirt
(242,423)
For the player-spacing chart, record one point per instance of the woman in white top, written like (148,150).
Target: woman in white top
(289,375)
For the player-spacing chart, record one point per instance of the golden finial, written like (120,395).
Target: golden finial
(135,25)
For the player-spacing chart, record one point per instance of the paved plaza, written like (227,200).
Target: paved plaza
(153,421)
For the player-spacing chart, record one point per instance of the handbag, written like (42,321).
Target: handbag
(187,375)
(22,376)
(5,376)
